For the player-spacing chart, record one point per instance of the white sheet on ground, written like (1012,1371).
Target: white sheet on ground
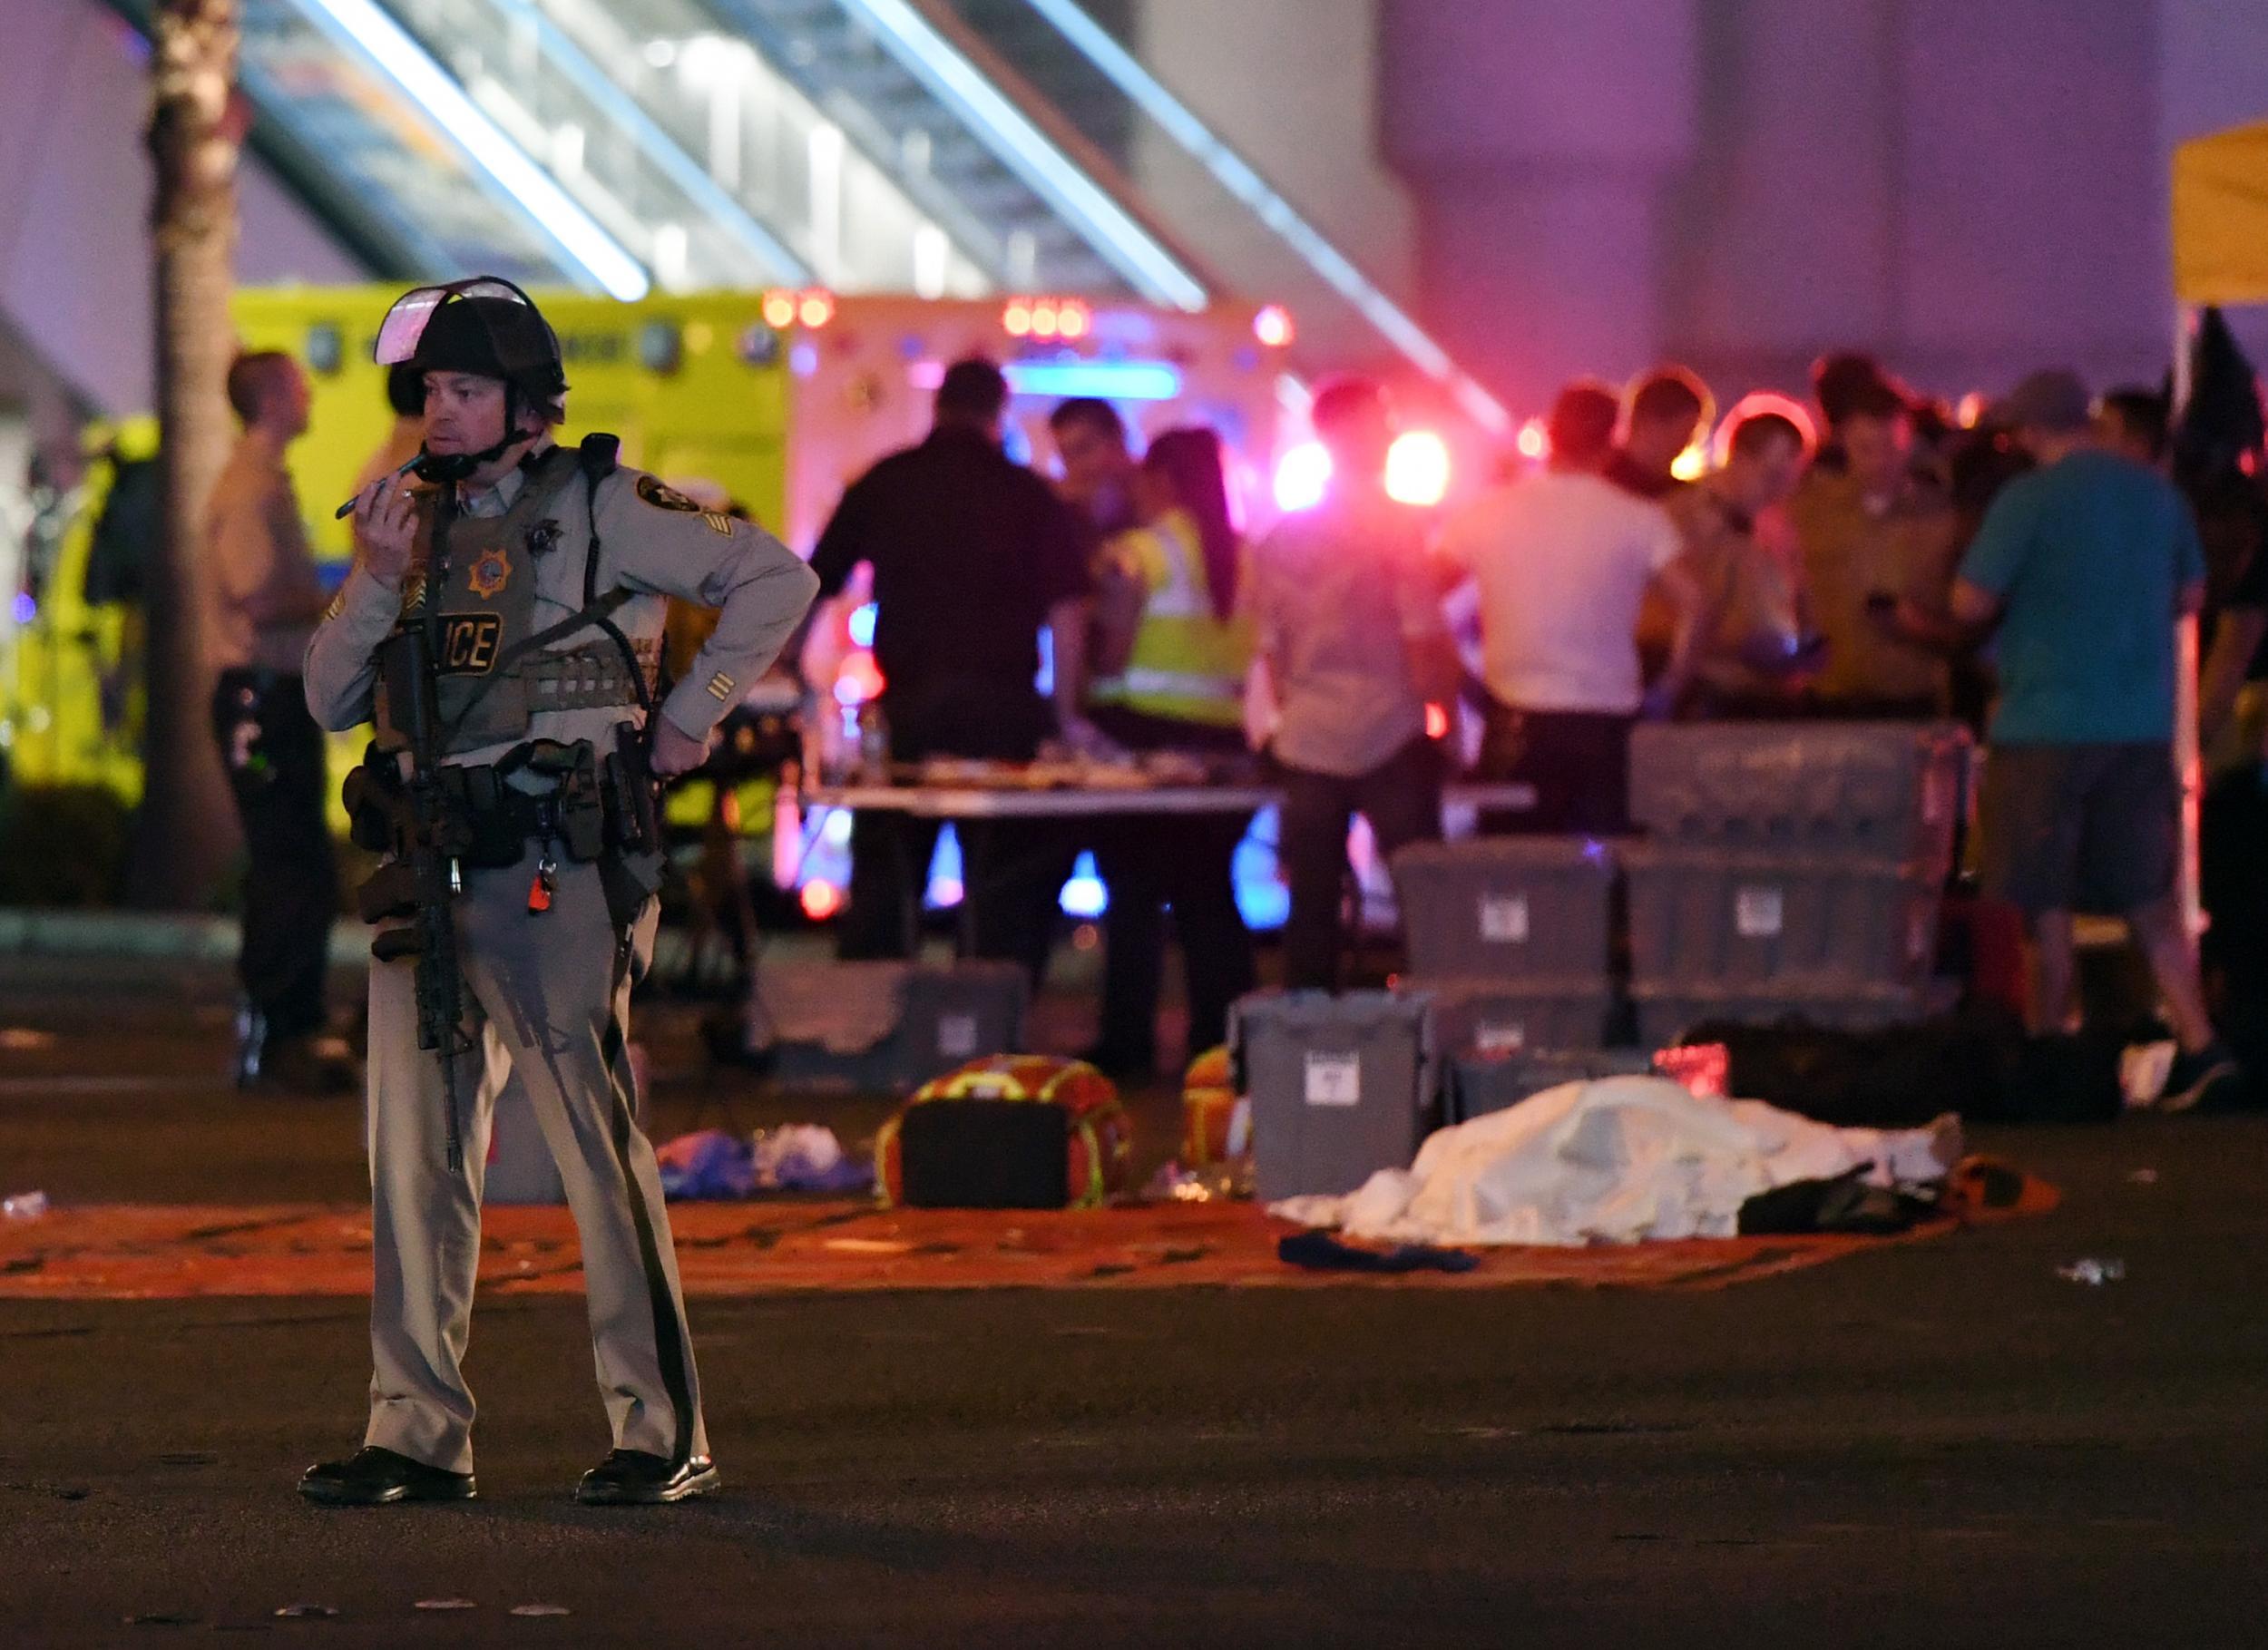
(1617,1161)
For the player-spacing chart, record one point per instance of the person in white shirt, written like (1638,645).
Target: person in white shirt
(1346,614)
(1563,560)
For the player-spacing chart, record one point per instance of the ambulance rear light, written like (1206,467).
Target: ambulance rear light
(1047,318)
(811,308)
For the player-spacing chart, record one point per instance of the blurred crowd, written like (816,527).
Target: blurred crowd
(2017,565)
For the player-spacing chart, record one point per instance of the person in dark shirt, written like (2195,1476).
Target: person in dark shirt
(972,555)
(1666,407)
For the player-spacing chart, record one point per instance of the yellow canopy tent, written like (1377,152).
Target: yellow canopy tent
(2219,257)
(2221,218)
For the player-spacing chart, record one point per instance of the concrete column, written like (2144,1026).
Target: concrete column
(1540,138)
(75,203)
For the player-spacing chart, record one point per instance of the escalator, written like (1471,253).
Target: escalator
(948,148)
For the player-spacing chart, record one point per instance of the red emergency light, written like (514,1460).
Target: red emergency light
(1273,327)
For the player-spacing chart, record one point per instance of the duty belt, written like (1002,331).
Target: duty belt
(587,806)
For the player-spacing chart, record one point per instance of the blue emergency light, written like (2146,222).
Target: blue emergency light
(1104,380)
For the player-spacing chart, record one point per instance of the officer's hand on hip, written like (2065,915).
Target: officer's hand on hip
(674,751)
(385,530)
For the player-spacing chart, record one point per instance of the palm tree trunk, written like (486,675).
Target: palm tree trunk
(185,832)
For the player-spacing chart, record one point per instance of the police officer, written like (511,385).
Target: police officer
(552,576)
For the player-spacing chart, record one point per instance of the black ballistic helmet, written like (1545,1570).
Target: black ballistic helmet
(486,326)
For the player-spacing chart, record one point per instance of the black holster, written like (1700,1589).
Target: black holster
(633,821)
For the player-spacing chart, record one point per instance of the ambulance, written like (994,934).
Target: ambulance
(768,402)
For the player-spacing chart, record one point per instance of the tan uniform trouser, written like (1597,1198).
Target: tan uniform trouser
(545,987)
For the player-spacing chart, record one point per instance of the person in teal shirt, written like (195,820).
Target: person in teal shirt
(2084,565)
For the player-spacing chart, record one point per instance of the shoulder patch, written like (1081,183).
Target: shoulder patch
(653,493)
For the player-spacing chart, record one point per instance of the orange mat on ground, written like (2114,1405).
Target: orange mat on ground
(131,1252)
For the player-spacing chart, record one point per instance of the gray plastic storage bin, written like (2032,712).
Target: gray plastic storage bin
(1480,1084)
(884,1028)
(1715,917)
(1666,1013)
(1506,907)
(1491,1016)
(1889,791)
(1339,1086)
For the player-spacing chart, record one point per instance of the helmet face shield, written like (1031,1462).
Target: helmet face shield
(506,315)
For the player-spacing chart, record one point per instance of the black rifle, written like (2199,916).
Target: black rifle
(433,847)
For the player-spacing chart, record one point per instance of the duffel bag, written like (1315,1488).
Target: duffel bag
(1013,1131)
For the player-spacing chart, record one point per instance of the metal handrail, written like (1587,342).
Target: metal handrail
(1025,134)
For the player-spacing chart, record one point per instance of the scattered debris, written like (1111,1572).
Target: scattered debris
(446,1603)
(1213,1183)
(793,1158)
(24,1039)
(541,1609)
(2142,1176)
(165,1618)
(711,1163)
(1321,1251)
(869,1245)
(306,1612)
(23,1206)
(2092,1271)
(806,1158)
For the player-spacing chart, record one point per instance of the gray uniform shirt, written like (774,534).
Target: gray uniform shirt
(653,542)
(266,594)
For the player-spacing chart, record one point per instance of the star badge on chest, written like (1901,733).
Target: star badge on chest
(490,573)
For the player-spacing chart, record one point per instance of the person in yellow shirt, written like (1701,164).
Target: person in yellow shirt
(1170,672)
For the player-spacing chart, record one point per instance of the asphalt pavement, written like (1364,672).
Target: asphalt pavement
(1945,1444)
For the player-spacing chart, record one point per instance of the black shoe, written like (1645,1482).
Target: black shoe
(631,1477)
(372,1477)
(2208,1080)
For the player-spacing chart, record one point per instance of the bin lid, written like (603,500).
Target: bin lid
(1334,1011)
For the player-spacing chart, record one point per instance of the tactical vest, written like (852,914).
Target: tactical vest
(1188,663)
(491,681)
